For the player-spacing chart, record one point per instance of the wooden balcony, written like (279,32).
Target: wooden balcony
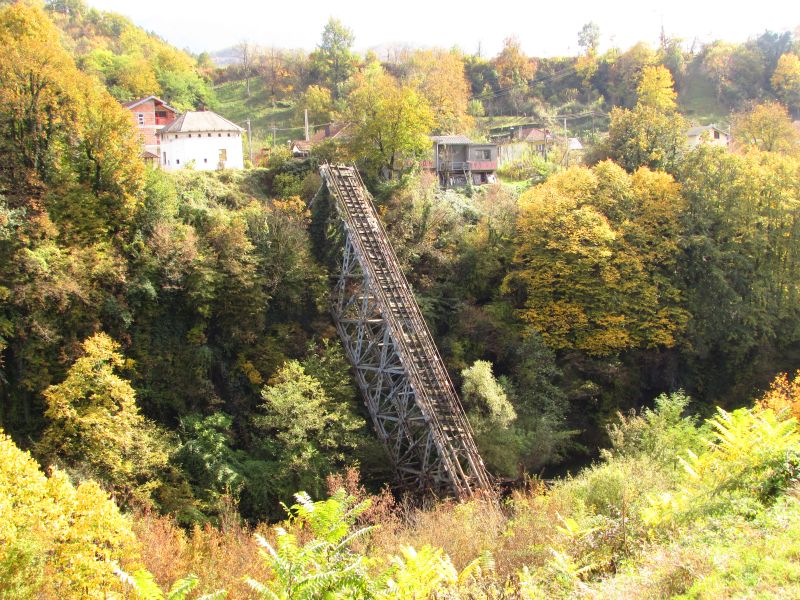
(483,165)
(465,166)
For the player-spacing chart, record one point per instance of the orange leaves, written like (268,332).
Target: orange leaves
(783,396)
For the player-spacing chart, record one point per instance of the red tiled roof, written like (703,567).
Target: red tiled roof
(135,103)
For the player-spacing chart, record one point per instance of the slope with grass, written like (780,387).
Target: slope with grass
(267,117)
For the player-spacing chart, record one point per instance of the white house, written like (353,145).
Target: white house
(707,134)
(202,140)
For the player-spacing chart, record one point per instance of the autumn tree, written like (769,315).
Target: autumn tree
(95,426)
(56,538)
(37,100)
(592,270)
(626,72)
(514,70)
(63,129)
(647,137)
(439,77)
(786,80)
(333,59)
(391,123)
(274,69)
(656,89)
(783,395)
(766,126)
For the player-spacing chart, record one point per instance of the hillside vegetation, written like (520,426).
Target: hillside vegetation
(178,416)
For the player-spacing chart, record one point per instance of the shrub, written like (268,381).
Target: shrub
(56,538)
(751,459)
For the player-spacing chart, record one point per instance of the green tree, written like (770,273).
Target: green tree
(738,267)
(319,103)
(333,59)
(391,124)
(646,137)
(310,433)
(96,428)
(589,37)
(484,398)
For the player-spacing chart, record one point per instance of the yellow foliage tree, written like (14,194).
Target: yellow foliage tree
(766,126)
(786,79)
(591,270)
(57,540)
(783,396)
(656,89)
(59,128)
(391,123)
(36,99)
(439,76)
(95,425)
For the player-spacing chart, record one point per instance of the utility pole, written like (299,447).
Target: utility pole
(273,134)
(305,113)
(566,141)
(250,140)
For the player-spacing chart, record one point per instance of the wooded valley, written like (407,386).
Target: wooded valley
(178,418)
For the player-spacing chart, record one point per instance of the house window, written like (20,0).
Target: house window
(205,160)
(223,155)
(161,114)
(229,135)
(209,135)
(219,135)
(177,162)
(483,154)
(190,135)
(140,118)
(716,135)
(165,158)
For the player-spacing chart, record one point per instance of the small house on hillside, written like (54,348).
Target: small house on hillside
(203,140)
(330,132)
(457,160)
(707,134)
(150,115)
(519,143)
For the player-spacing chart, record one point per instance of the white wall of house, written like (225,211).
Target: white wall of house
(709,136)
(203,150)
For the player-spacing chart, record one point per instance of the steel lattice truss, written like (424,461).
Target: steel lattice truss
(408,392)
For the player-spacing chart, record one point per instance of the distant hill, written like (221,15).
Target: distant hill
(225,57)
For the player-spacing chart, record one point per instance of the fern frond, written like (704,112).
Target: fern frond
(260,588)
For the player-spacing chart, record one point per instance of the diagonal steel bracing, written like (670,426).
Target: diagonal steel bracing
(408,392)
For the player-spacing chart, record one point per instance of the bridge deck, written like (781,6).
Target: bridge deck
(434,394)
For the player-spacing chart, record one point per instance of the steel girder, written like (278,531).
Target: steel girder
(383,380)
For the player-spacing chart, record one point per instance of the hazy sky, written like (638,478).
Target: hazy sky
(545,28)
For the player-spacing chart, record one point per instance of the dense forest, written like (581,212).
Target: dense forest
(171,380)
